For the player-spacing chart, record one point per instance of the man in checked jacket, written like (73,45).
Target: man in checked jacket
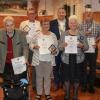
(91,30)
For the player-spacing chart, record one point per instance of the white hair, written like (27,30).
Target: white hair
(73,17)
(8,18)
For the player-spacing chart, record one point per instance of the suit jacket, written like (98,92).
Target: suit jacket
(55,28)
(20,47)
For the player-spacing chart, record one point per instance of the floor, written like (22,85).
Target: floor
(59,95)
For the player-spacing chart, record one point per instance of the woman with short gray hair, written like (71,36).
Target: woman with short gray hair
(72,61)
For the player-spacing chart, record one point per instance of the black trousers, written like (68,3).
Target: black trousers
(57,70)
(30,55)
(9,73)
(89,75)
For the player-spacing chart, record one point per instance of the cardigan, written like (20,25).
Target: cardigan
(80,55)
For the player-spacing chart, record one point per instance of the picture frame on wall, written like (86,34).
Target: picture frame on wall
(13,7)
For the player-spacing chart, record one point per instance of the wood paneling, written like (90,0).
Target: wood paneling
(19,19)
(96,16)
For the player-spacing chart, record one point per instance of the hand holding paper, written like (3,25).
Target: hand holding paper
(36,47)
(80,45)
(44,43)
(63,45)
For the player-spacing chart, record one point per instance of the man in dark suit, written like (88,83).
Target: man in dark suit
(58,26)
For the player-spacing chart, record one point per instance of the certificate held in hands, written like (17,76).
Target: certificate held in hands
(19,65)
(44,44)
(91,42)
(72,44)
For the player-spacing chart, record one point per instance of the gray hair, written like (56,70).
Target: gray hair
(8,18)
(73,17)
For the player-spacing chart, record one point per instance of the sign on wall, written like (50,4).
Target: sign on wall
(16,7)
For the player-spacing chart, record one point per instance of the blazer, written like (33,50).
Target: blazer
(55,28)
(80,55)
(20,47)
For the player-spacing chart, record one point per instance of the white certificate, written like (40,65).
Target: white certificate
(91,42)
(71,47)
(19,65)
(44,43)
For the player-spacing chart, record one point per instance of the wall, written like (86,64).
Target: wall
(96,16)
(51,6)
(46,5)
(95,4)
(19,19)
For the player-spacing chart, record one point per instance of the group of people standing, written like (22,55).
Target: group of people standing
(32,36)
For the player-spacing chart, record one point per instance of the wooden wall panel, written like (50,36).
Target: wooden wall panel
(96,16)
(19,19)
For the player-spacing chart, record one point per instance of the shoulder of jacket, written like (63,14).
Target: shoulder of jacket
(54,20)
(2,30)
(19,32)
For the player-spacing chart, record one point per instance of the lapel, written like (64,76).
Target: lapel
(14,41)
(4,37)
(56,24)
(3,40)
(66,26)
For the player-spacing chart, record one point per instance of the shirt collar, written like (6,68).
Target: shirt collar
(61,21)
(11,34)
